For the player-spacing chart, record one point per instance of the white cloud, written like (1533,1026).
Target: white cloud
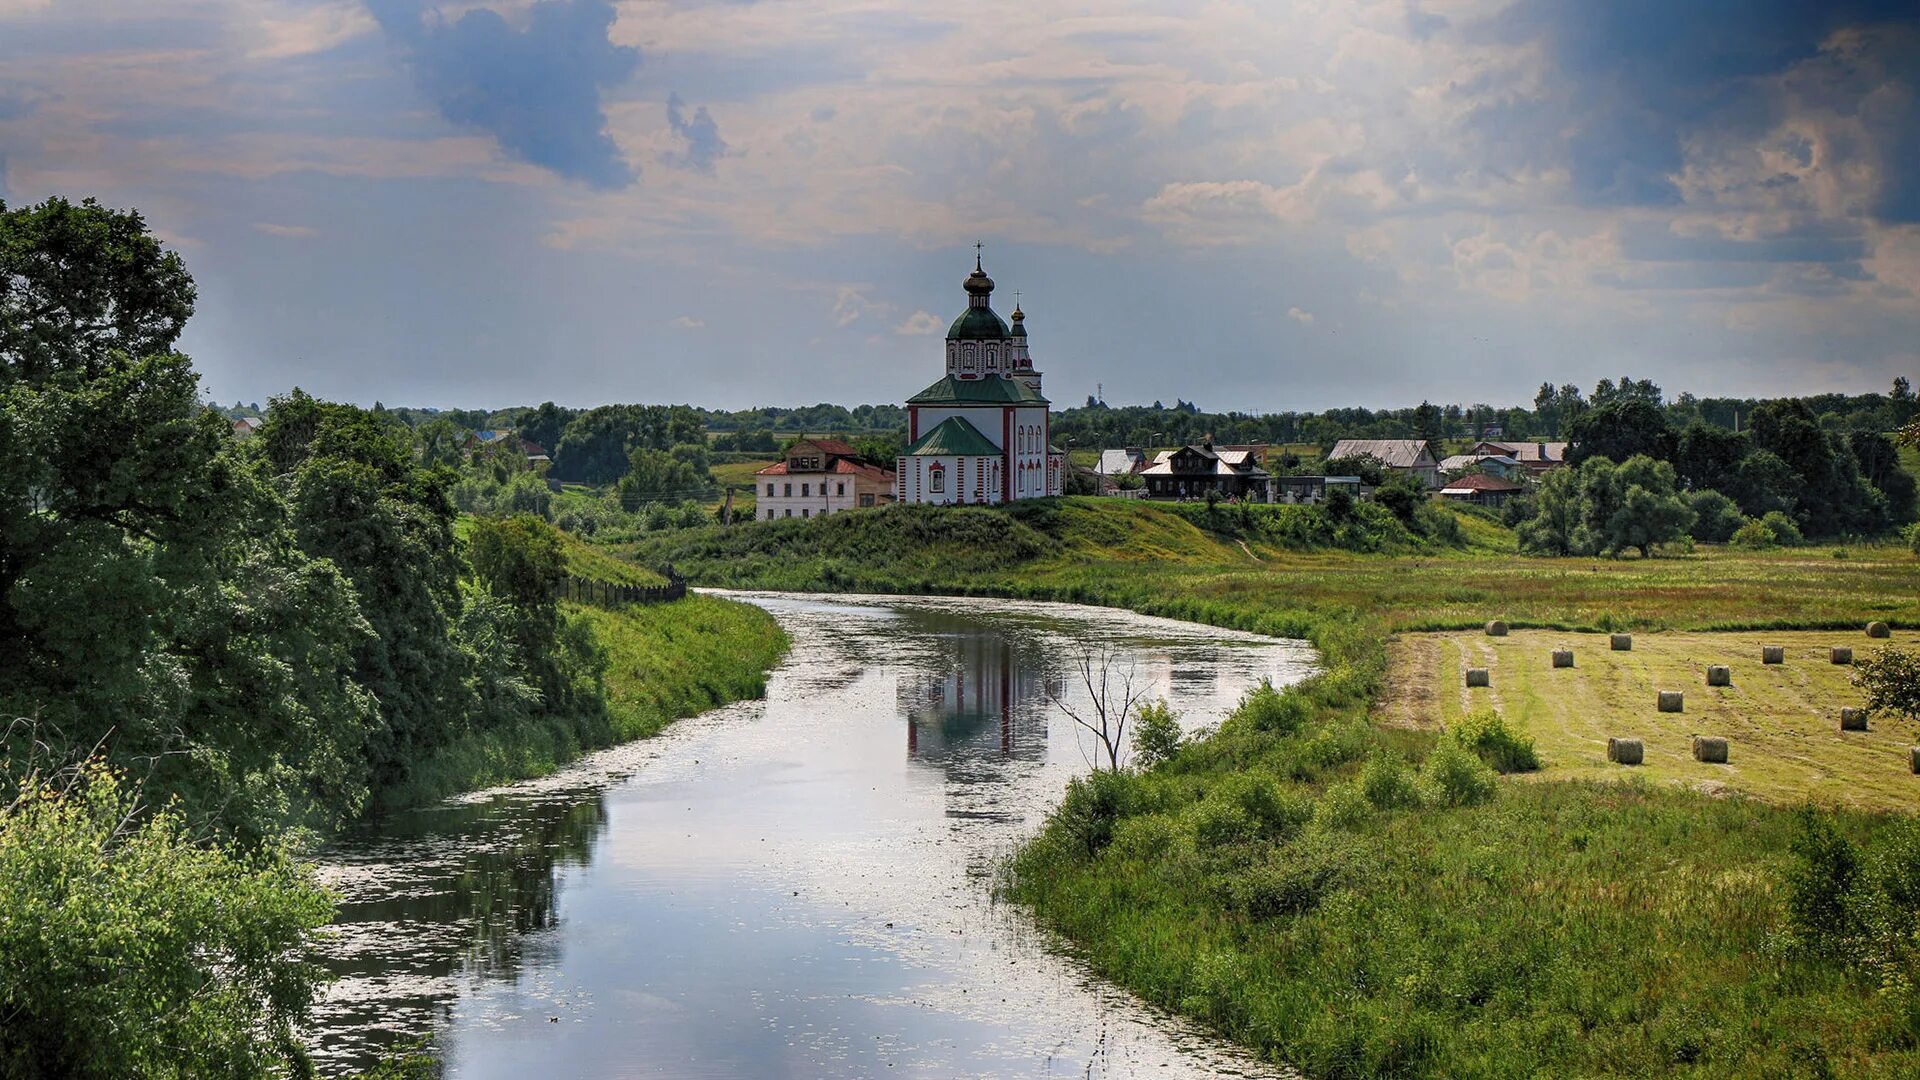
(920,324)
(1304,318)
(688,322)
(290,232)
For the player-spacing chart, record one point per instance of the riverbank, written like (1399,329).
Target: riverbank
(1297,882)
(665,662)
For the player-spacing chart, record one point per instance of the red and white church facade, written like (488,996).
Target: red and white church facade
(980,435)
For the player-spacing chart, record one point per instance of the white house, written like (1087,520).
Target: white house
(819,476)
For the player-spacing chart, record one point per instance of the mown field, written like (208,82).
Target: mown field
(1360,898)
(1782,721)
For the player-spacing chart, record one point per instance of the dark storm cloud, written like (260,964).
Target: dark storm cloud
(1638,77)
(700,141)
(535,90)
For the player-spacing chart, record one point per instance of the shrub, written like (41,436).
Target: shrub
(1890,679)
(1220,822)
(1715,517)
(1145,837)
(1094,805)
(1823,872)
(1275,812)
(1457,777)
(1753,535)
(1156,734)
(1293,880)
(1488,735)
(1785,532)
(1268,709)
(1387,781)
(1342,807)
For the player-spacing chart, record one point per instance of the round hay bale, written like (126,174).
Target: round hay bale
(1710,748)
(1840,654)
(1672,701)
(1562,658)
(1773,654)
(1879,630)
(1913,759)
(1622,642)
(1496,628)
(1477,676)
(1853,719)
(1627,751)
(1719,675)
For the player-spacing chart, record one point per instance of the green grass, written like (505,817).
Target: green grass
(665,662)
(1562,928)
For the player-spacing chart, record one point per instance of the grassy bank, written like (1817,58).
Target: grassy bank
(665,662)
(1362,900)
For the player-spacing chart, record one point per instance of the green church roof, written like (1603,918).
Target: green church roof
(953,437)
(991,390)
(978,324)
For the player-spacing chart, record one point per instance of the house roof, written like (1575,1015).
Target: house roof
(1468,461)
(830,447)
(840,467)
(952,437)
(1218,463)
(1393,453)
(991,390)
(1528,453)
(1481,482)
(1120,461)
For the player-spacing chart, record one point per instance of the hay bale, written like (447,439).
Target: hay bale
(1711,748)
(1672,701)
(1627,751)
(1562,658)
(1840,654)
(1879,630)
(1477,676)
(1622,642)
(1773,654)
(1496,628)
(1719,675)
(1853,719)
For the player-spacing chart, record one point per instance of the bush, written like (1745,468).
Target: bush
(1754,535)
(1785,532)
(1715,517)
(1293,880)
(1268,709)
(1824,870)
(1913,538)
(1457,777)
(1094,805)
(1220,823)
(1387,781)
(1342,807)
(133,950)
(1488,735)
(1156,734)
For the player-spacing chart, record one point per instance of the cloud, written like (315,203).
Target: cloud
(1304,318)
(850,303)
(536,90)
(919,324)
(688,322)
(292,232)
(699,138)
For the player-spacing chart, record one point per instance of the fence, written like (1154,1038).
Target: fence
(606,593)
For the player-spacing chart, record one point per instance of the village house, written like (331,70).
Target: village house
(819,476)
(1396,455)
(1481,489)
(1499,465)
(1190,472)
(1534,457)
(982,433)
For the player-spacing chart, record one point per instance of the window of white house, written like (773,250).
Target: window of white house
(937,479)
(789,512)
(769,510)
(787,490)
(769,495)
(804,492)
(839,487)
(804,512)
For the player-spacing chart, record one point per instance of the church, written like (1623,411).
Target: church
(980,434)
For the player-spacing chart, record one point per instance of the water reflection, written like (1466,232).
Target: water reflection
(776,889)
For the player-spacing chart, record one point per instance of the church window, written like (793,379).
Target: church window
(937,479)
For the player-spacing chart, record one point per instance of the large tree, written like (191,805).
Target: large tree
(1599,508)
(1623,427)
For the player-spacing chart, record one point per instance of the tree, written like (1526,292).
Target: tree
(439,442)
(1621,429)
(1111,700)
(543,426)
(666,475)
(1546,406)
(134,950)
(1428,422)
(1156,734)
(1709,456)
(1599,508)
(1715,517)
(597,446)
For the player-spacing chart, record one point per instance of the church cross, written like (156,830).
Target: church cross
(977,245)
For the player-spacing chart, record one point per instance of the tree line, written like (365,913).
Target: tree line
(209,646)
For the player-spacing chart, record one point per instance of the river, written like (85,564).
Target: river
(793,887)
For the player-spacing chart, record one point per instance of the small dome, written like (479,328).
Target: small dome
(978,283)
(1019,322)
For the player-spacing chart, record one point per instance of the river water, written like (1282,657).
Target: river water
(794,887)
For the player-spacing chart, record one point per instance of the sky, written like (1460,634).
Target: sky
(1255,206)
